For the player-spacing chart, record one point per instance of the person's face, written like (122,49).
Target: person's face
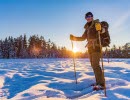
(89,18)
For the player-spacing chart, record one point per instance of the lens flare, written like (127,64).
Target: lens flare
(75,49)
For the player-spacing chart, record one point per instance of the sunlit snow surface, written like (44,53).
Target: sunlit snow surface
(53,79)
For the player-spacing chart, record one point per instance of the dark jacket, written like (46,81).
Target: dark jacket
(92,37)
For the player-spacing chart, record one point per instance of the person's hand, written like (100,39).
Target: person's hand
(98,26)
(71,37)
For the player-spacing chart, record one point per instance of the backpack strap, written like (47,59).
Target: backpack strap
(92,42)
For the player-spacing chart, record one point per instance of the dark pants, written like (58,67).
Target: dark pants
(95,63)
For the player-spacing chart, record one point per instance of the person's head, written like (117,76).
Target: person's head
(89,17)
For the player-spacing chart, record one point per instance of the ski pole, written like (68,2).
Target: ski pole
(107,55)
(102,63)
(74,62)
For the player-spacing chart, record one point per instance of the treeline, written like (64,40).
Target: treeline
(34,47)
(37,47)
(118,52)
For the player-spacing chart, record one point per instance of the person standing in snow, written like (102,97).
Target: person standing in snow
(94,49)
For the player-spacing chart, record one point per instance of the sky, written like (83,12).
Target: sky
(57,19)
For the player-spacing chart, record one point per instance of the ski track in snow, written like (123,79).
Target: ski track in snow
(53,79)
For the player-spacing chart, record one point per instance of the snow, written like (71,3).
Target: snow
(53,79)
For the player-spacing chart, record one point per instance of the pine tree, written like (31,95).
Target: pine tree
(5,49)
(24,47)
(54,50)
(43,47)
(48,46)
(11,47)
(1,53)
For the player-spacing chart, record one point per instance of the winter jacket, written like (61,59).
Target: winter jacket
(92,37)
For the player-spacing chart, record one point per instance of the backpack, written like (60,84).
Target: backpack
(105,37)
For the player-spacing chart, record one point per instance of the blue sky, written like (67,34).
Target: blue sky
(56,19)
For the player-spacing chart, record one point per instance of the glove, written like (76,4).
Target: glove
(71,37)
(98,26)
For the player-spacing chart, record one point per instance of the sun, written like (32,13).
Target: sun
(75,49)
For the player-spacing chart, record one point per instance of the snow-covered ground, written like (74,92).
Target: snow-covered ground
(53,79)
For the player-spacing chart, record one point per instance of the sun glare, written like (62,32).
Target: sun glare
(35,50)
(75,49)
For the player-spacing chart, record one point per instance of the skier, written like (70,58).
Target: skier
(94,49)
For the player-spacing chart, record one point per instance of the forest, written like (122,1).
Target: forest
(37,47)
